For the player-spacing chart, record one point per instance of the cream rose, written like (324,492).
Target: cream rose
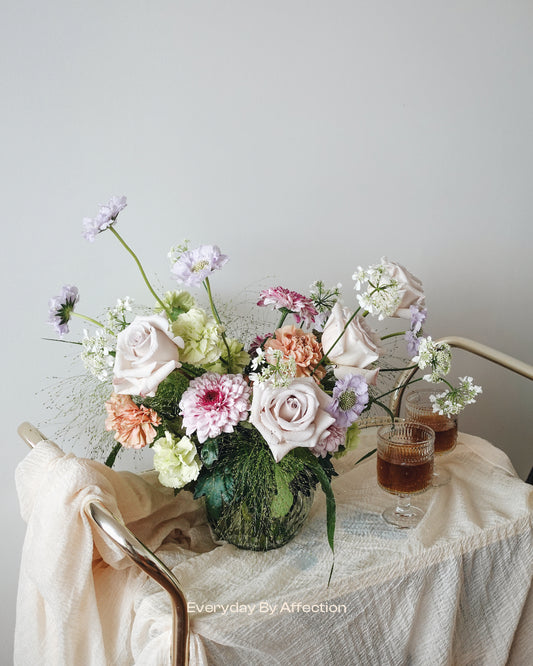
(357,348)
(146,354)
(410,288)
(291,416)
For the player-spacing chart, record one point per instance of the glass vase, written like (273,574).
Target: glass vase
(251,501)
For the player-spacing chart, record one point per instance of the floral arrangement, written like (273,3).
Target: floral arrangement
(253,427)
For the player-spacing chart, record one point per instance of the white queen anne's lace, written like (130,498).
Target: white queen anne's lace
(435,355)
(456,399)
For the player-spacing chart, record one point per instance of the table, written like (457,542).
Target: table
(455,590)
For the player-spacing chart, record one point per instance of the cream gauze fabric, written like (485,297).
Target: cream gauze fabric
(455,590)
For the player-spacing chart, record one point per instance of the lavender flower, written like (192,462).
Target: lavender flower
(418,317)
(350,397)
(60,308)
(194,266)
(106,217)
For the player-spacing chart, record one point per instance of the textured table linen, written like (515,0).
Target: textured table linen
(455,590)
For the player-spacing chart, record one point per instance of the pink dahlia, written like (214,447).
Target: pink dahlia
(280,298)
(214,404)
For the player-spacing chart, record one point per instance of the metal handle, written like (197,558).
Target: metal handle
(493,355)
(141,556)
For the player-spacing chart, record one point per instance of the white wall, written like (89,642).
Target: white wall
(305,138)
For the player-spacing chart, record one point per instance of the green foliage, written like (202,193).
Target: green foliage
(249,482)
(209,452)
(168,395)
(216,486)
(283,498)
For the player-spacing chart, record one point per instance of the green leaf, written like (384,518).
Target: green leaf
(209,452)
(217,487)
(283,498)
(317,468)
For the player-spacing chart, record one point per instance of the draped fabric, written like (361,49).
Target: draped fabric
(455,590)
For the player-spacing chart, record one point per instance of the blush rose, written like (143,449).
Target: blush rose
(291,416)
(411,289)
(146,354)
(357,348)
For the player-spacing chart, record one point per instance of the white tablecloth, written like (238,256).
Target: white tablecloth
(455,590)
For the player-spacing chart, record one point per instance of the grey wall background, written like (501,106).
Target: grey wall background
(305,138)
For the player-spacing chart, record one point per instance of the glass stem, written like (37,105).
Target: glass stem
(404,505)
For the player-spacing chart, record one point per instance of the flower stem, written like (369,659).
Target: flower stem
(82,316)
(284,314)
(392,335)
(139,265)
(207,286)
(412,381)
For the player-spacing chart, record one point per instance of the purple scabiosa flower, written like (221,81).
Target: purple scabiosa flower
(60,308)
(350,397)
(106,217)
(214,404)
(418,317)
(413,343)
(285,299)
(193,266)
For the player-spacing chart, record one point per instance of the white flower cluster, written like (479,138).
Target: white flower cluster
(116,317)
(97,353)
(383,293)
(435,355)
(279,371)
(176,251)
(323,298)
(455,400)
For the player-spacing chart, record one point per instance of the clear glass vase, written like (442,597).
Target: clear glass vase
(251,501)
(260,531)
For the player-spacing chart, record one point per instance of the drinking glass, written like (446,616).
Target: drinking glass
(419,408)
(404,468)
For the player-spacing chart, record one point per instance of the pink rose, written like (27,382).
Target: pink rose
(146,354)
(291,416)
(357,348)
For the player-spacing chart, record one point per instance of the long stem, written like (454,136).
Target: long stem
(412,381)
(409,367)
(284,314)
(392,335)
(139,265)
(207,286)
(82,316)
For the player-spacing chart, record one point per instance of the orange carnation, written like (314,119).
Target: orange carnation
(303,347)
(134,424)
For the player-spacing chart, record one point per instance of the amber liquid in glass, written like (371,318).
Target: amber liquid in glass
(445,430)
(404,478)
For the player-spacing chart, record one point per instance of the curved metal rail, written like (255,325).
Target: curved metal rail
(141,556)
(473,347)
